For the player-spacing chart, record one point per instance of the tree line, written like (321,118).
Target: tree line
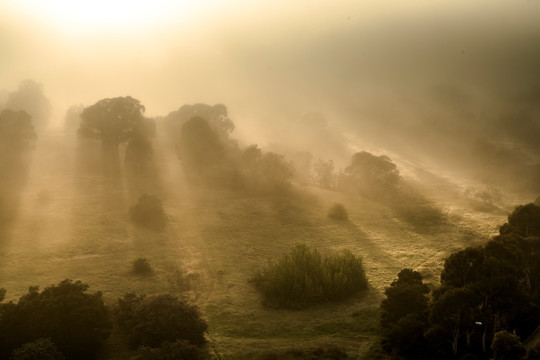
(487,304)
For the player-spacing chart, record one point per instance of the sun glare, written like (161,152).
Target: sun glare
(106,14)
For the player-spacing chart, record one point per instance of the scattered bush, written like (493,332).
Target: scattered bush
(41,349)
(178,350)
(141,266)
(77,322)
(148,212)
(303,277)
(338,212)
(152,321)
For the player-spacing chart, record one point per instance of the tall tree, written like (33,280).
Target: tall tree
(113,121)
(31,98)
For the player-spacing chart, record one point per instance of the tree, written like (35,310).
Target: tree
(369,173)
(112,121)
(462,267)
(40,349)
(17,139)
(30,98)
(507,346)
(323,172)
(75,321)
(216,116)
(406,295)
(152,321)
(455,311)
(524,221)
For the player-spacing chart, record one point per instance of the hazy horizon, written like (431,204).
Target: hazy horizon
(376,72)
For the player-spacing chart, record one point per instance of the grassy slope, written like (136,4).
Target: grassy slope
(74,225)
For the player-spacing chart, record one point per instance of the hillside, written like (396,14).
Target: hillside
(73,223)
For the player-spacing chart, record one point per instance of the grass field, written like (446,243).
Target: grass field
(74,224)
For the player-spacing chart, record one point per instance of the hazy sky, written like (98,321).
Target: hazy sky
(363,64)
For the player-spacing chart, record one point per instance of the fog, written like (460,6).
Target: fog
(379,71)
(176,148)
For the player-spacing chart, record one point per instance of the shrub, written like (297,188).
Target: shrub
(75,321)
(148,212)
(152,321)
(141,266)
(178,350)
(41,349)
(338,212)
(302,278)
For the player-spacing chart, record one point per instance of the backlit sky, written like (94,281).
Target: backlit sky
(271,61)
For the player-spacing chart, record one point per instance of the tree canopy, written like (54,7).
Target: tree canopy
(76,322)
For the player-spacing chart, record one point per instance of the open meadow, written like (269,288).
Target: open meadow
(71,222)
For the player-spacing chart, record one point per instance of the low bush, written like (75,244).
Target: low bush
(338,212)
(141,266)
(154,320)
(148,212)
(302,278)
(41,349)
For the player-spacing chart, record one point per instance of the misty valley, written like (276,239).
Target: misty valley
(126,236)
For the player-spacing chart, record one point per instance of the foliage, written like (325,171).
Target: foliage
(40,349)
(507,346)
(303,278)
(75,321)
(406,295)
(323,173)
(148,212)
(216,116)
(202,151)
(523,221)
(152,321)
(338,212)
(264,172)
(141,266)
(29,97)
(178,350)
(114,121)
(16,132)
(368,173)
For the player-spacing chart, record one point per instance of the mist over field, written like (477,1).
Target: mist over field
(203,160)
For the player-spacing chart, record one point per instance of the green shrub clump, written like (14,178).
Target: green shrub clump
(302,278)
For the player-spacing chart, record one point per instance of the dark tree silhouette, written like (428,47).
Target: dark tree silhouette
(523,221)
(406,295)
(75,321)
(30,97)
(507,346)
(113,121)
(152,321)
(40,349)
